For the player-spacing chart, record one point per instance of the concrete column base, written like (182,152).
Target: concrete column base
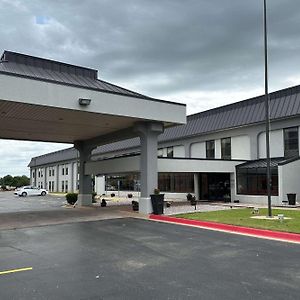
(84,200)
(145,205)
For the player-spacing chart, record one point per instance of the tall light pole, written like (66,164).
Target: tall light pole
(267,112)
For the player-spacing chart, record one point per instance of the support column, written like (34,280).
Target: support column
(148,132)
(57,184)
(196,186)
(85,181)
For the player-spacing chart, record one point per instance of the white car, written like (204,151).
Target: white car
(30,191)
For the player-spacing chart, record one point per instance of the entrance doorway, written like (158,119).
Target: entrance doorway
(214,186)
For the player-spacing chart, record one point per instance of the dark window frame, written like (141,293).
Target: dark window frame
(258,176)
(224,149)
(210,151)
(291,150)
(170,151)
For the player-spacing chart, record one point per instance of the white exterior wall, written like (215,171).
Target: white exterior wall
(289,181)
(165,152)
(240,147)
(261,200)
(276,144)
(178,151)
(218,148)
(75,177)
(198,150)
(100,185)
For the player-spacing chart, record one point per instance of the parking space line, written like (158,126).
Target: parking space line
(15,270)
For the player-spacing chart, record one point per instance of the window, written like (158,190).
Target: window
(53,172)
(291,143)
(52,186)
(226,148)
(66,186)
(49,185)
(253,181)
(67,170)
(49,172)
(63,186)
(170,152)
(176,182)
(63,171)
(210,149)
(160,152)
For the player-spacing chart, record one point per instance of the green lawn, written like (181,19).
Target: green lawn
(243,216)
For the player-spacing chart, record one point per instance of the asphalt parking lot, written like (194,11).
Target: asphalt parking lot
(139,259)
(12,203)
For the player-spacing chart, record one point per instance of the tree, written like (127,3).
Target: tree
(8,180)
(15,181)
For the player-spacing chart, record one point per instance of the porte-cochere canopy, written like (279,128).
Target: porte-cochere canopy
(39,101)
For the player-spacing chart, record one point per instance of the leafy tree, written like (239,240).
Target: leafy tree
(16,181)
(8,180)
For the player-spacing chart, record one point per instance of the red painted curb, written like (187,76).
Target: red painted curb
(278,235)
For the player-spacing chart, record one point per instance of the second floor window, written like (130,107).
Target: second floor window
(170,152)
(160,152)
(210,149)
(226,148)
(291,142)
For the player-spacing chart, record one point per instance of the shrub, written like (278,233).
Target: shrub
(189,197)
(72,198)
(156,191)
(135,205)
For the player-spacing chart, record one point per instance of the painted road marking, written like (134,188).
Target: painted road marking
(15,271)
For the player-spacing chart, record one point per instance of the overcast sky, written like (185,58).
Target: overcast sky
(205,53)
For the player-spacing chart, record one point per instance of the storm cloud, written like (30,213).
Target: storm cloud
(204,53)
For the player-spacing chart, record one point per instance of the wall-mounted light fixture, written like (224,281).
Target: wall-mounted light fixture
(84,101)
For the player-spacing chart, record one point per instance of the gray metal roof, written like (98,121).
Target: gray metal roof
(53,157)
(18,64)
(262,163)
(283,104)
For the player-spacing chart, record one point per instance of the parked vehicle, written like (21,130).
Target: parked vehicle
(30,191)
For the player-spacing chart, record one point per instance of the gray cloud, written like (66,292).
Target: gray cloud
(202,52)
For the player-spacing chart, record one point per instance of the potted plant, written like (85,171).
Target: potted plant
(135,205)
(189,197)
(193,200)
(157,200)
(291,198)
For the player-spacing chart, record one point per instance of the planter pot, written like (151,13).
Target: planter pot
(157,203)
(291,198)
(135,205)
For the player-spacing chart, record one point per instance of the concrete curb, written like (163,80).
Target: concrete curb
(259,233)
